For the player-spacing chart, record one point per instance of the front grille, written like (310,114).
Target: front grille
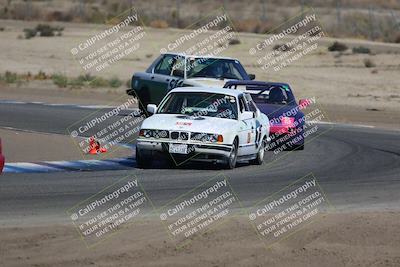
(174,135)
(184,136)
(180,135)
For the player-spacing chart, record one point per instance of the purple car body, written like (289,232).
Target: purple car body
(278,102)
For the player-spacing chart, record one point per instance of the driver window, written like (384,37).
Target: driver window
(243,105)
(251,104)
(178,68)
(234,71)
(165,65)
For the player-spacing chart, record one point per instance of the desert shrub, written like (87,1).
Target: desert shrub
(41,75)
(281,47)
(368,63)
(161,24)
(99,82)
(234,41)
(397,39)
(43,30)
(76,82)
(46,30)
(115,82)
(30,33)
(361,50)
(9,77)
(60,80)
(337,46)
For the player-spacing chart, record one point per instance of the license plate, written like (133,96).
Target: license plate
(178,148)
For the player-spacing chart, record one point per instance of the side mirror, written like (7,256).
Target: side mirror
(252,76)
(151,108)
(247,115)
(303,103)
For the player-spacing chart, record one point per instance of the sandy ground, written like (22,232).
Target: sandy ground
(337,79)
(336,239)
(347,91)
(19,146)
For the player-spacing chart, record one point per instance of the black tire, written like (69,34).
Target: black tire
(141,160)
(260,154)
(232,158)
(144,100)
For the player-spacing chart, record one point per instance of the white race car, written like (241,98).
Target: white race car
(204,124)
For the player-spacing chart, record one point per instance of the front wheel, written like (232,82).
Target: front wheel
(232,158)
(260,154)
(141,160)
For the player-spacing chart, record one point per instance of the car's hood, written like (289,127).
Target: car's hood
(209,82)
(177,122)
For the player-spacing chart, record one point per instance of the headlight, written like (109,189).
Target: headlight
(154,133)
(147,133)
(207,138)
(160,134)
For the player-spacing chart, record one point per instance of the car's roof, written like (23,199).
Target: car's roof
(255,83)
(197,56)
(213,90)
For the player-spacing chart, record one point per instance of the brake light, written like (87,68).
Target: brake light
(141,133)
(287,120)
(220,138)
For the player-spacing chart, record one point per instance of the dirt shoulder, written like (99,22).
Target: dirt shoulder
(337,239)
(19,146)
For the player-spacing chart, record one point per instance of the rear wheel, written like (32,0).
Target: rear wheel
(232,158)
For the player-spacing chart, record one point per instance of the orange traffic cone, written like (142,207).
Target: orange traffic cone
(95,147)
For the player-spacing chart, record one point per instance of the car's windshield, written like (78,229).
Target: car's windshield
(199,104)
(279,95)
(213,68)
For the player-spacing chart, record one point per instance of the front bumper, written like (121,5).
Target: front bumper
(196,149)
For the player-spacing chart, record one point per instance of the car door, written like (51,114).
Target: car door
(247,130)
(162,79)
(258,132)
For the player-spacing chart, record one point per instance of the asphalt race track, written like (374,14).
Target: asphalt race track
(357,167)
